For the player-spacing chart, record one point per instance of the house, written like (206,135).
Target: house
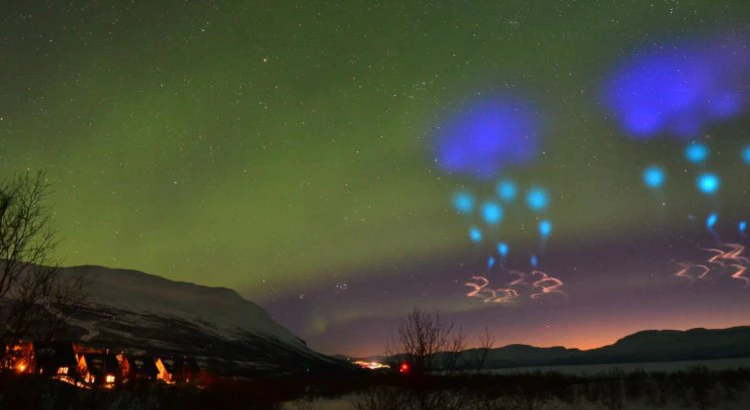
(56,360)
(99,369)
(19,357)
(134,367)
(180,369)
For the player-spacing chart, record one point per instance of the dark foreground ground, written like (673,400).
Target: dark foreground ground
(697,388)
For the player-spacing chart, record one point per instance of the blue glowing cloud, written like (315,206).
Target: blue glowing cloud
(697,152)
(746,154)
(545,228)
(534,261)
(506,190)
(487,136)
(654,177)
(708,183)
(502,249)
(475,235)
(537,199)
(463,202)
(492,213)
(490,262)
(743,227)
(678,90)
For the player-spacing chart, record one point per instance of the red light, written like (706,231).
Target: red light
(404,368)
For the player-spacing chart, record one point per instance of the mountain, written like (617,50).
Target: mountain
(640,347)
(135,311)
(667,345)
(645,346)
(524,355)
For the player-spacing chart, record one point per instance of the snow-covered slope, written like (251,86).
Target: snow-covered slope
(136,311)
(222,309)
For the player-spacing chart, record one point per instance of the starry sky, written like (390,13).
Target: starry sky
(286,150)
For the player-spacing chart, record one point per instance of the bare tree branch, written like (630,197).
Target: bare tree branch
(34,299)
(452,354)
(485,344)
(421,339)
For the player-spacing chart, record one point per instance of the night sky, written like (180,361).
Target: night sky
(300,152)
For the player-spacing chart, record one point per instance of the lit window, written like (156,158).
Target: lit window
(110,378)
(62,370)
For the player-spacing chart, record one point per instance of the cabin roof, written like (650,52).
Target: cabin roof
(180,364)
(143,365)
(54,354)
(101,363)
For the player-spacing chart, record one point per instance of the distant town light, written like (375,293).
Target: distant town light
(371,365)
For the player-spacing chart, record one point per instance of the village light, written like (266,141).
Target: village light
(371,365)
(56,360)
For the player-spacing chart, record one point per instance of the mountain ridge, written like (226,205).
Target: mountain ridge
(135,311)
(138,311)
(151,275)
(642,346)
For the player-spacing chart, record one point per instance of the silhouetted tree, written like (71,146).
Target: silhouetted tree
(485,343)
(422,337)
(34,298)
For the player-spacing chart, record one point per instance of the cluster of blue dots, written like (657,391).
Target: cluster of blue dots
(492,212)
(708,183)
(673,91)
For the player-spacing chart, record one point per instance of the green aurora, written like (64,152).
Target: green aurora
(268,147)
